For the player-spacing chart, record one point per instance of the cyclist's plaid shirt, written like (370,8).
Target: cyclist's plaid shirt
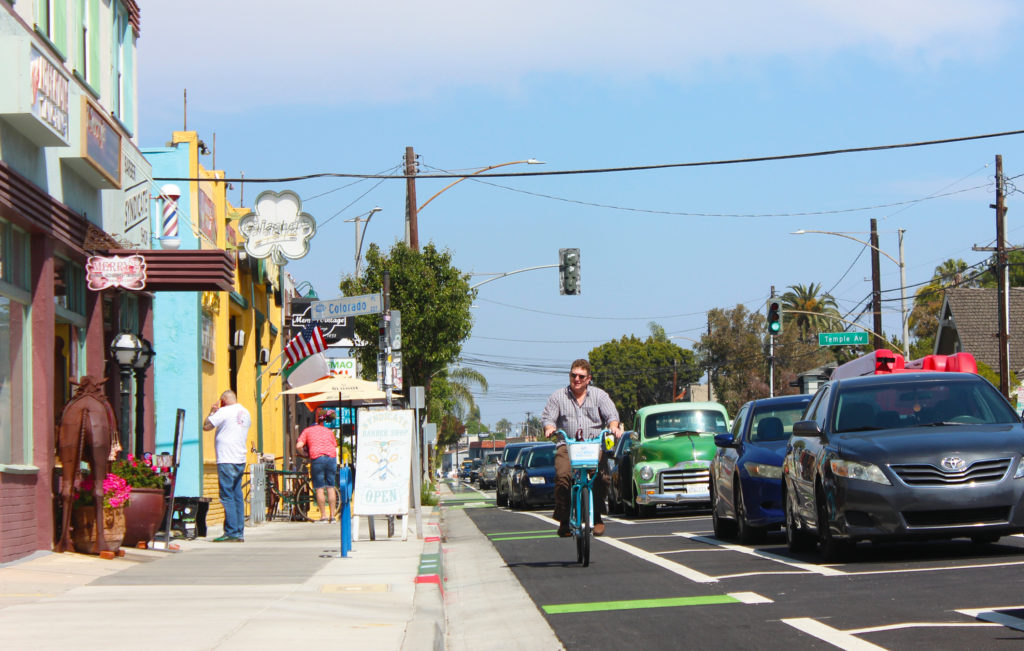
(566,414)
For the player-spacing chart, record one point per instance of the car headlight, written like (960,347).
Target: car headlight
(1020,469)
(536,480)
(646,473)
(763,470)
(859,470)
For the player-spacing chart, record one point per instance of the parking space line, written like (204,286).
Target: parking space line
(671,566)
(976,566)
(751,598)
(896,627)
(997,615)
(518,533)
(823,570)
(825,633)
(550,534)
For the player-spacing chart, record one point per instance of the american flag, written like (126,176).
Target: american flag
(308,341)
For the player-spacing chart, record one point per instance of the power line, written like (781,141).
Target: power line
(609,170)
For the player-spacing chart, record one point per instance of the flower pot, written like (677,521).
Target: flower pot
(143,515)
(83,528)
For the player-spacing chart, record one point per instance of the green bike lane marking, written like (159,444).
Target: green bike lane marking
(665,602)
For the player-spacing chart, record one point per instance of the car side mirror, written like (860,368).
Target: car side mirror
(634,436)
(807,428)
(725,440)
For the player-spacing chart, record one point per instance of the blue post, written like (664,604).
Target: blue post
(344,494)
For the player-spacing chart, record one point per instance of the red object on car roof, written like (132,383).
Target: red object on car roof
(882,361)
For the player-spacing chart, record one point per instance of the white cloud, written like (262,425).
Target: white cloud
(310,52)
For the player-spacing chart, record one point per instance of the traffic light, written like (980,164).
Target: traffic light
(774,317)
(569,271)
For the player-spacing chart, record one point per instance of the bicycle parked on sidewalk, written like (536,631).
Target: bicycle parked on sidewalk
(584,456)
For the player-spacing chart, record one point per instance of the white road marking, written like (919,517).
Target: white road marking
(833,636)
(937,569)
(992,615)
(750,598)
(823,570)
(896,627)
(676,568)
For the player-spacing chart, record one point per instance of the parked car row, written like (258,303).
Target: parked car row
(526,476)
(882,452)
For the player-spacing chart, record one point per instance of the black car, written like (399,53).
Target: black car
(907,455)
(533,477)
(508,458)
(620,471)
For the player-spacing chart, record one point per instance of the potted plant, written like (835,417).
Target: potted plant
(116,493)
(146,509)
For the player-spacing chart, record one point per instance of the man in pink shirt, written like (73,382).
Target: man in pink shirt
(323,466)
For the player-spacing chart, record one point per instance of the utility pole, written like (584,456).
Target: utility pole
(1002,276)
(412,236)
(876,287)
(675,378)
(526,426)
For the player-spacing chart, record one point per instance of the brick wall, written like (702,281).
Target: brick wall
(18,535)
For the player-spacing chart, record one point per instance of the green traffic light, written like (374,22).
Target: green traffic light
(774,327)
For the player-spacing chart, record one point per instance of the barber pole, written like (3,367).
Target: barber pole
(169,233)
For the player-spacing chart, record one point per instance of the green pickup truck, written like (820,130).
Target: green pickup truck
(670,453)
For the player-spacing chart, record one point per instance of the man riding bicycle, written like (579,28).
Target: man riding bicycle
(581,411)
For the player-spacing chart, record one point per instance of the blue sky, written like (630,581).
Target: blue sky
(339,87)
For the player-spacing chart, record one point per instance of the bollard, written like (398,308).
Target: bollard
(344,493)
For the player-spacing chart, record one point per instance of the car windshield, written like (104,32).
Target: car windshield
(881,405)
(775,423)
(540,458)
(690,420)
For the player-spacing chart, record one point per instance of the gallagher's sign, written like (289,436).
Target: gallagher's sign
(277,229)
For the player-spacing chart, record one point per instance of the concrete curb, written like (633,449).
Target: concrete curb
(427,628)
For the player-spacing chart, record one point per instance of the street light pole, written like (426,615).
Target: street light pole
(903,276)
(359,234)
(412,230)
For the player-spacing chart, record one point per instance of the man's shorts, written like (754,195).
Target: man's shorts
(324,472)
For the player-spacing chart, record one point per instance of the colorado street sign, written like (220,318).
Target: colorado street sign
(842,338)
(345,306)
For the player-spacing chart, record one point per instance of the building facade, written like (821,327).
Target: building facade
(72,184)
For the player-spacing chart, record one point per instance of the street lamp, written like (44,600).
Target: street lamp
(903,276)
(360,232)
(125,351)
(412,221)
(141,363)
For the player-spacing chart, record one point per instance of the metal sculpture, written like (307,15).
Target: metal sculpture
(87,432)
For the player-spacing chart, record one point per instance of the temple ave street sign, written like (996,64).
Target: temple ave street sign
(345,306)
(842,338)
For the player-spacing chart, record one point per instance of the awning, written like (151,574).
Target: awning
(184,270)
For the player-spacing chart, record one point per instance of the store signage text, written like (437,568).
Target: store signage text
(49,93)
(277,229)
(114,271)
(102,142)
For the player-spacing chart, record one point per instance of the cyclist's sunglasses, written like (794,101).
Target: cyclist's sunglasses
(579,376)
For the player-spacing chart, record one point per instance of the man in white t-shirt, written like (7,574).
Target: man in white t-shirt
(231,420)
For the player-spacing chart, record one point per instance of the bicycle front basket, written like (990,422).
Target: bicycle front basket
(585,454)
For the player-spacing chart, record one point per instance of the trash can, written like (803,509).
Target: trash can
(189,517)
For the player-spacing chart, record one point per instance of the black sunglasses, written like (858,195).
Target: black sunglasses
(579,376)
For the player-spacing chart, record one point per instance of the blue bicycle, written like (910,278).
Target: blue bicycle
(584,455)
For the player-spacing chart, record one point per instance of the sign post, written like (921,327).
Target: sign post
(842,338)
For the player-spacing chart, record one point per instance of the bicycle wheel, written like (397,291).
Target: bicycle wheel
(586,525)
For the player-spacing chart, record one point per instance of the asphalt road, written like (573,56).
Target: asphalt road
(667,583)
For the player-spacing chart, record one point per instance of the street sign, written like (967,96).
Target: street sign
(345,306)
(842,338)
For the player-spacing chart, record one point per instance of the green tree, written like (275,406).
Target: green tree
(503,427)
(808,311)
(451,400)
(636,372)
(732,350)
(923,320)
(434,298)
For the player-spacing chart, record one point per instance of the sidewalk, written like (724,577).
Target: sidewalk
(285,585)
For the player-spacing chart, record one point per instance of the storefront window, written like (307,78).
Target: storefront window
(15,434)
(14,265)
(69,285)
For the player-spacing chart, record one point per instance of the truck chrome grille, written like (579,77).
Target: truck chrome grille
(676,481)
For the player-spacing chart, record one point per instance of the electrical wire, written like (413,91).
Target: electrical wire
(608,170)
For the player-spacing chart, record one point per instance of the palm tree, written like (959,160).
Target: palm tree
(810,312)
(923,320)
(450,400)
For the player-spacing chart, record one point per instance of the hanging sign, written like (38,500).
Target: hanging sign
(114,271)
(383,457)
(277,229)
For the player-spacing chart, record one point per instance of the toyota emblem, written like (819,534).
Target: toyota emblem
(953,464)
